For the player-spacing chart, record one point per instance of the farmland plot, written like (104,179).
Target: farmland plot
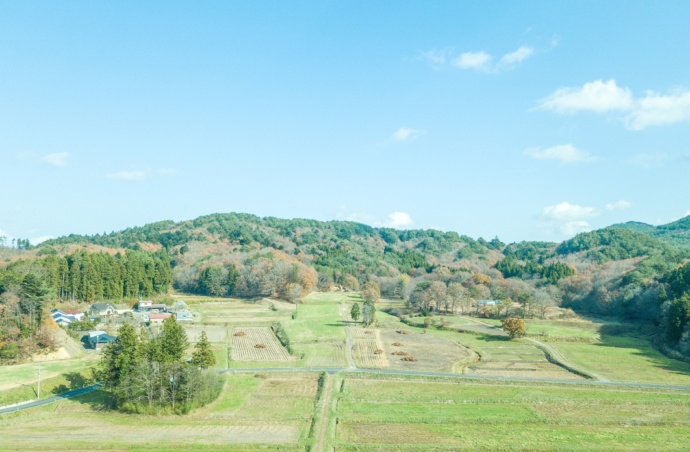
(369,350)
(424,351)
(254,413)
(504,358)
(214,333)
(257,344)
(452,415)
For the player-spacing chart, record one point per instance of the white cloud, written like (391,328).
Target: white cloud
(473,60)
(618,205)
(571,228)
(655,109)
(568,219)
(518,56)
(406,133)
(602,97)
(398,220)
(564,153)
(127,175)
(58,159)
(393,220)
(484,62)
(597,96)
(568,212)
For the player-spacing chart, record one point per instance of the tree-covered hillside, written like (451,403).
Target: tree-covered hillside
(676,233)
(629,272)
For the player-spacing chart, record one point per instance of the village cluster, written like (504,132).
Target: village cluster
(106,316)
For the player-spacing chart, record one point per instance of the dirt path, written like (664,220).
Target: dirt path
(552,352)
(349,342)
(556,355)
(325,410)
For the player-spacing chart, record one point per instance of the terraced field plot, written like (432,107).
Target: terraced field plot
(214,333)
(257,344)
(495,355)
(422,415)
(237,311)
(369,351)
(325,354)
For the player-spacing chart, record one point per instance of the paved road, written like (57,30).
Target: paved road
(64,395)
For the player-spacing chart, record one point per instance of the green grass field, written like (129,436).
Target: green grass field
(404,415)
(253,413)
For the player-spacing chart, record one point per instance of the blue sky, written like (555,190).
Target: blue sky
(522,120)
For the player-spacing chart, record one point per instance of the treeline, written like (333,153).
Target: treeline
(29,288)
(511,268)
(85,276)
(150,375)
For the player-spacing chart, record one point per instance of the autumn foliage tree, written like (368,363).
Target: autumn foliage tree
(514,327)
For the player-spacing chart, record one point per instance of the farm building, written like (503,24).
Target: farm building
(144,305)
(99,339)
(149,306)
(157,319)
(66,317)
(103,309)
(487,303)
(184,316)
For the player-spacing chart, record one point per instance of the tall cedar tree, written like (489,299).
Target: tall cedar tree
(203,356)
(172,341)
(354,312)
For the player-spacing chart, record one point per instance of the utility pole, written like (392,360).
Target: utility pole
(39,381)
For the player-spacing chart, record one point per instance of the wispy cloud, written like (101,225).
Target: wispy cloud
(483,61)
(406,133)
(436,57)
(127,175)
(57,160)
(518,56)
(618,205)
(604,97)
(564,154)
(166,172)
(473,60)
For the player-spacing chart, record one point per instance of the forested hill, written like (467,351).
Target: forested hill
(676,233)
(634,271)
